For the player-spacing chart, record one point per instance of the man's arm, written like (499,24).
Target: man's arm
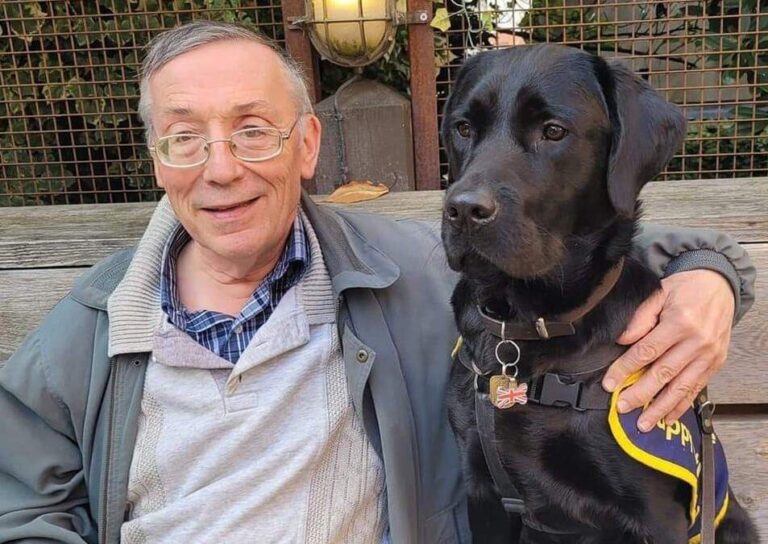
(669,250)
(682,332)
(43,495)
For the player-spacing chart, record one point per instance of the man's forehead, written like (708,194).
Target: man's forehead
(240,78)
(257,106)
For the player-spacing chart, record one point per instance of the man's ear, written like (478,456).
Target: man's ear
(310,145)
(646,132)
(158,173)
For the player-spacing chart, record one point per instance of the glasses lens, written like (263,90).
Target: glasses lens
(181,149)
(256,143)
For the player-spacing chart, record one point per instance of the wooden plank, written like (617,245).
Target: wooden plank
(300,48)
(28,295)
(80,235)
(421,50)
(745,439)
(744,379)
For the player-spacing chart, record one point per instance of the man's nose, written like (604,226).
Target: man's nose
(474,207)
(222,166)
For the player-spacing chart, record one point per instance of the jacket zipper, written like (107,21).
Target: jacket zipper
(103,517)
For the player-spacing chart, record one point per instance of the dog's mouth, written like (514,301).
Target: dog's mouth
(491,254)
(471,263)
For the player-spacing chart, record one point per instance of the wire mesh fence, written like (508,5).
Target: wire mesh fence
(69,132)
(708,56)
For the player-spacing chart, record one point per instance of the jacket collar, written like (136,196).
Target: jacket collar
(134,306)
(352,260)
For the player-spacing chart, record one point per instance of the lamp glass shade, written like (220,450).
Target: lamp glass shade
(351,32)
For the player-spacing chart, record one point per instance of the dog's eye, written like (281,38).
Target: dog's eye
(464,129)
(554,132)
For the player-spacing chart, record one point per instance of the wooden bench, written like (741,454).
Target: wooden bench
(43,249)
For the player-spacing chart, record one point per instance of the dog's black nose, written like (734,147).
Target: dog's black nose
(476,207)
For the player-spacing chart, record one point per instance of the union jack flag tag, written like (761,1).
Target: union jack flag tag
(505,392)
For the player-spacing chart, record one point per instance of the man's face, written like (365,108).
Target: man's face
(233,209)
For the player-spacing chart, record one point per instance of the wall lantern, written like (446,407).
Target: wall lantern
(351,32)
(367,128)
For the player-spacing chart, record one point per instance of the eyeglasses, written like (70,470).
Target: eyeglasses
(187,150)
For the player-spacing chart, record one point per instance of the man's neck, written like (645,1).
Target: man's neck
(207,282)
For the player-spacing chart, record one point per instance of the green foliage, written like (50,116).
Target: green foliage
(68,127)
(733,141)
(68,69)
(733,35)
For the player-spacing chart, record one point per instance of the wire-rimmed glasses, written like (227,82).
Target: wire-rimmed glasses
(253,144)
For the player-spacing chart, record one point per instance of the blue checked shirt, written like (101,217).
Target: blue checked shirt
(223,334)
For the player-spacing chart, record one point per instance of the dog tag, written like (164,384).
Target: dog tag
(505,392)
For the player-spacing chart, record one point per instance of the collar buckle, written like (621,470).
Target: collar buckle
(541,328)
(555,392)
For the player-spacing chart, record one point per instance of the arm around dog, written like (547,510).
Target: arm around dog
(681,352)
(669,250)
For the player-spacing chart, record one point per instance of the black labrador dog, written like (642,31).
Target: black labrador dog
(548,149)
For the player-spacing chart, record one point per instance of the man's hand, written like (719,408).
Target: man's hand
(682,332)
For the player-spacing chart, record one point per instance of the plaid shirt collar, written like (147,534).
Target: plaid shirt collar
(284,275)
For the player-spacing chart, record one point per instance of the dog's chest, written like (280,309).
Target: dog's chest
(557,442)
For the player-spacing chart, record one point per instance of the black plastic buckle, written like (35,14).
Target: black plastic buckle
(555,392)
(513,506)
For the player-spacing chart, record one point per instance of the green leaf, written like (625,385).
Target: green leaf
(442,20)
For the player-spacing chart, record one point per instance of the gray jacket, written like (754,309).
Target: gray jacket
(69,412)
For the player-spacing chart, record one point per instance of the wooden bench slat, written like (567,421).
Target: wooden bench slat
(745,439)
(80,235)
(28,295)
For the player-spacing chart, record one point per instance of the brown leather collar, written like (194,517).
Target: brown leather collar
(561,325)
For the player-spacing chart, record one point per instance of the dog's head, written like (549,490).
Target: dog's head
(546,143)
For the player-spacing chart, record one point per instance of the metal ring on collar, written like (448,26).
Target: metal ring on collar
(512,364)
(707,405)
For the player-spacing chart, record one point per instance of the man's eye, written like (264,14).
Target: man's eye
(257,132)
(554,132)
(464,129)
(185,138)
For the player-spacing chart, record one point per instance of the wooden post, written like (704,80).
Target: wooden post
(421,52)
(300,48)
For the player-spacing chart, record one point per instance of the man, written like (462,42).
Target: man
(265,369)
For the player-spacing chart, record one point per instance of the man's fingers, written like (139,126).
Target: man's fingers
(644,320)
(647,350)
(677,397)
(678,411)
(659,374)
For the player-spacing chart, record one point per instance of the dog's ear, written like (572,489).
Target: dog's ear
(647,131)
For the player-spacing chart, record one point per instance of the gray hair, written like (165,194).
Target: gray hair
(175,42)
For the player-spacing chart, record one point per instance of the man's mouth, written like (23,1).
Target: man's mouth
(229,211)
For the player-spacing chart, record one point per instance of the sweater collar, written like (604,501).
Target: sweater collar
(134,306)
